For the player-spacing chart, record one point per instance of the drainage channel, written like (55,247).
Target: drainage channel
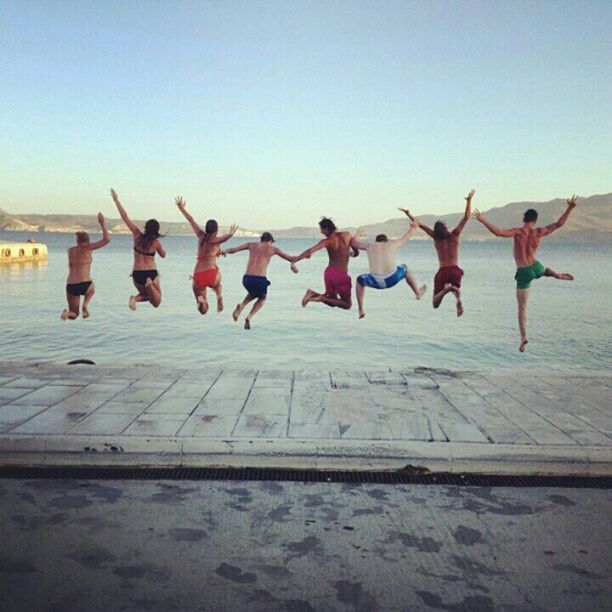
(263,474)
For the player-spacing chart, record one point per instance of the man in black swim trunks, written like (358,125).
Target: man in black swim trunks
(254,279)
(79,281)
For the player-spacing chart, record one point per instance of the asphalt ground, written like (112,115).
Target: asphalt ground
(238,545)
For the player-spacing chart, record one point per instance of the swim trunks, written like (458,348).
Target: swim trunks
(77,288)
(140,276)
(256,286)
(447,274)
(381,282)
(206,278)
(337,283)
(524,276)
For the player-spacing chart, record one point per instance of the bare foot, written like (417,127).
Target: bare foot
(564,276)
(236,312)
(523,345)
(459,308)
(307,297)
(132,302)
(247,323)
(85,312)
(361,314)
(202,305)
(421,292)
(219,304)
(64,315)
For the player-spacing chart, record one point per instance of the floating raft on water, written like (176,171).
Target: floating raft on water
(17,252)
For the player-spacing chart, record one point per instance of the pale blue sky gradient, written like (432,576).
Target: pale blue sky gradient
(271,114)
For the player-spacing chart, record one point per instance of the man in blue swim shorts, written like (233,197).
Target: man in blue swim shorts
(254,279)
(384,271)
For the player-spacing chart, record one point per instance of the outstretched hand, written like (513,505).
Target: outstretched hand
(405,211)
(101,219)
(469,196)
(232,229)
(479,216)
(294,267)
(114,196)
(573,201)
(180,202)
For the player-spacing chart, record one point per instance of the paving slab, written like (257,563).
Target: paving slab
(433,420)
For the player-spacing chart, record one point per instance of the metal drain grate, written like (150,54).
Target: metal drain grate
(262,474)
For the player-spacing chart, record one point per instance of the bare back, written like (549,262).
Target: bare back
(526,242)
(448,250)
(79,264)
(338,248)
(208,251)
(144,255)
(260,254)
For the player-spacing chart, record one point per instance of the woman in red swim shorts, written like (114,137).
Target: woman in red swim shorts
(206,273)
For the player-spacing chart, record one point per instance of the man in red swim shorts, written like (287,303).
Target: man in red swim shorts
(448,277)
(337,281)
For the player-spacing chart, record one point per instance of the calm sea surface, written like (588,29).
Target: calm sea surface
(569,323)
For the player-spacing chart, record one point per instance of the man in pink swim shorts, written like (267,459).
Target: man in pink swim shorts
(338,283)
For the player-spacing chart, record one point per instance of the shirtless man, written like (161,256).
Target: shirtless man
(384,271)
(337,281)
(526,243)
(254,279)
(79,281)
(206,273)
(448,277)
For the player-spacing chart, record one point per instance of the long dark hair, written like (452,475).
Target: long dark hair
(211,227)
(150,234)
(440,231)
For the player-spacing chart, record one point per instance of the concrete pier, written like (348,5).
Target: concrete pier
(439,421)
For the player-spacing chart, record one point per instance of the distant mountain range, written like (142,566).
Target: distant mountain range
(590,222)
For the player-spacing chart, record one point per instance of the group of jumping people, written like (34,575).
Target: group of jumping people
(340,245)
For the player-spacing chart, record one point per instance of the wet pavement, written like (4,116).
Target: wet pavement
(231,545)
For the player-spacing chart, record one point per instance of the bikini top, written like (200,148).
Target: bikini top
(202,257)
(143,253)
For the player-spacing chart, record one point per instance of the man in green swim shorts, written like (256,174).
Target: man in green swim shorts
(526,243)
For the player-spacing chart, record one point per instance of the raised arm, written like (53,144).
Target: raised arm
(498,231)
(105,237)
(313,249)
(467,214)
(181,206)
(553,227)
(426,229)
(409,232)
(242,247)
(131,225)
(225,237)
(359,244)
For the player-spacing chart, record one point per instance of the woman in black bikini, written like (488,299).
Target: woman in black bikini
(146,245)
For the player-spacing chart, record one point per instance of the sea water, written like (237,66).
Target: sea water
(568,322)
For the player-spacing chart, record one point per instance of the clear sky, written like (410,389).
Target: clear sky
(271,114)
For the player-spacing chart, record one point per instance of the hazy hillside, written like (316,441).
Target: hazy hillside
(591,221)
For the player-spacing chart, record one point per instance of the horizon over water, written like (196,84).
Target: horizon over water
(568,322)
